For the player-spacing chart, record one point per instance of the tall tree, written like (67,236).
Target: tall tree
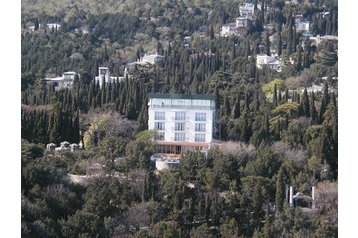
(237,107)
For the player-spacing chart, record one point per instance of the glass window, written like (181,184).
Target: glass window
(200,137)
(159,116)
(179,137)
(179,126)
(179,116)
(160,136)
(159,126)
(200,116)
(200,127)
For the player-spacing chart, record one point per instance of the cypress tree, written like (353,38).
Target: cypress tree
(299,59)
(279,96)
(280,191)
(212,36)
(256,101)
(274,98)
(279,40)
(286,95)
(305,105)
(226,107)
(76,128)
(267,44)
(324,103)
(237,107)
(313,111)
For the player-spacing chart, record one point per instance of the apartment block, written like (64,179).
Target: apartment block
(183,122)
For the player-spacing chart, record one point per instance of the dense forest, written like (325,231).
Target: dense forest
(271,131)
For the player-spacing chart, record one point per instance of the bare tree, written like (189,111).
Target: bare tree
(327,201)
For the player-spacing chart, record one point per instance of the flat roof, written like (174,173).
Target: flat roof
(181,96)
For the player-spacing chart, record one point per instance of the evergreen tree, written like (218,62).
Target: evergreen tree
(324,103)
(280,190)
(305,105)
(329,137)
(274,98)
(313,111)
(237,107)
(267,227)
(267,44)
(279,40)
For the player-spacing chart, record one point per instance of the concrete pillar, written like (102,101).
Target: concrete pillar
(313,198)
(291,196)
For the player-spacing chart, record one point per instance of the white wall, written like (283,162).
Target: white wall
(189,123)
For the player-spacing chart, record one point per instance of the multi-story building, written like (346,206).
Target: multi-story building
(104,75)
(228,29)
(183,122)
(247,10)
(63,82)
(268,61)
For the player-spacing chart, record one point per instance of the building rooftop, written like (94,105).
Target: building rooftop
(180,96)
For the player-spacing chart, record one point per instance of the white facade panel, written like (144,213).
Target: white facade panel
(189,129)
(169,107)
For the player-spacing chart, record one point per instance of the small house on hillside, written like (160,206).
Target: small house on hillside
(63,82)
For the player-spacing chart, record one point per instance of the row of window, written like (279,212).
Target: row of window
(179,126)
(181,137)
(180,116)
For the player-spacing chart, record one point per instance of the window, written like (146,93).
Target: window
(200,116)
(200,137)
(179,116)
(179,126)
(159,116)
(160,136)
(179,137)
(200,127)
(159,126)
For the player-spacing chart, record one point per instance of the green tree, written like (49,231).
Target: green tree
(280,189)
(229,228)
(201,231)
(138,152)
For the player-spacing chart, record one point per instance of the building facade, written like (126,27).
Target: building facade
(63,82)
(268,61)
(104,76)
(183,122)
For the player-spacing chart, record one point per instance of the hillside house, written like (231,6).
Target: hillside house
(149,59)
(104,76)
(248,10)
(228,29)
(63,82)
(268,61)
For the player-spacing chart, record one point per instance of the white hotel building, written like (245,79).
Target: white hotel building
(183,122)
